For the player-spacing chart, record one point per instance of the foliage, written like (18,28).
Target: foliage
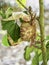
(35,60)
(13,30)
(28,50)
(38,54)
(11,26)
(5,41)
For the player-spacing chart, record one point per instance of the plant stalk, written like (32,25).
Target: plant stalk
(42,31)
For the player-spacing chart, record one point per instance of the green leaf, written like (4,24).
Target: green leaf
(12,29)
(47,53)
(28,50)
(47,37)
(15,32)
(35,60)
(8,12)
(2,13)
(40,57)
(47,45)
(39,54)
(47,50)
(27,56)
(5,41)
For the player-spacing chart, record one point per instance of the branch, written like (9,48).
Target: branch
(36,46)
(42,32)
(22,4)
(29,10)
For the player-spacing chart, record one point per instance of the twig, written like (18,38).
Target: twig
(29,10)
(38,42)
(33,44)
(36,46)
(22,4)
